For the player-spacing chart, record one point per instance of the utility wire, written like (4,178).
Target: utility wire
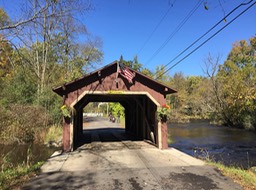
(150,36)
(223,19)
(183,22)
(207,39)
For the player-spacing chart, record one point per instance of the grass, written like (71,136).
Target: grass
(12,177)
(245,178)
(17,176)
(54,133)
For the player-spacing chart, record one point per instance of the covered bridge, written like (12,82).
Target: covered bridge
(137,93)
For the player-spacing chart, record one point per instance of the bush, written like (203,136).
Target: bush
(54,134)
(23,123)
(4,118)
(249,122)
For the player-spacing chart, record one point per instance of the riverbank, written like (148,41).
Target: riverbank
(231,150)
(245,178)
(14,177)
(20,162)
(229,146)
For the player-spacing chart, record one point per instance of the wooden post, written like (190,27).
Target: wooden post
(164,133)
(66,134)
(159,135)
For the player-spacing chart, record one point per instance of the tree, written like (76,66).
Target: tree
(4,19)
(6,53)
(178,82)
(47,34)
(115,108)
(76,58)
(160,73)
(192,99)
(36,8)
(136,65)
(147,72)
(216,102)
(40,50)
(238,78)
(195,101)
(233,85)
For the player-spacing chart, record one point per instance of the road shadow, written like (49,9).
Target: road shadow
(105,135)
(61,180)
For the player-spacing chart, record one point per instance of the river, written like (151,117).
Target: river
(23,153)
(230,146)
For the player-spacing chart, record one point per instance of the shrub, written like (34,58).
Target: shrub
(54,133)
(23,123)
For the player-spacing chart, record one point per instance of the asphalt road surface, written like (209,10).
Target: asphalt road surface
(109,160)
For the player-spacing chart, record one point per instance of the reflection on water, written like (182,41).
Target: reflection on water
(25,153)
(227,145)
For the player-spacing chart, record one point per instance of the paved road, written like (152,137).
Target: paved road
(110,160)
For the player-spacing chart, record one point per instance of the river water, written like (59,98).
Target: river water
(24,153)
(233,147)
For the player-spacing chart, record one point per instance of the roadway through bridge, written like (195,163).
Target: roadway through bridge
(99,129)
(108,159)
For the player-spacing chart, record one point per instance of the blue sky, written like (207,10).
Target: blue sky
(125,25)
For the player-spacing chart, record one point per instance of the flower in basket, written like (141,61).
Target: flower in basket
(65,111)
(163,112)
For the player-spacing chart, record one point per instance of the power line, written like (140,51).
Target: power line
(183,22)
(156,27)
(208,39)
(223,19)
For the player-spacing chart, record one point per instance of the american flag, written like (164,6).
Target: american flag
(126,73)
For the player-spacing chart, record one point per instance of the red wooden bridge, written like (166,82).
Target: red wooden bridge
(137,93)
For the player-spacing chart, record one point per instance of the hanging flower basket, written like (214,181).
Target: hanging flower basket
(66,111)
(163,112)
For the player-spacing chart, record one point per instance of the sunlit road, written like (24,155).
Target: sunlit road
(114,161)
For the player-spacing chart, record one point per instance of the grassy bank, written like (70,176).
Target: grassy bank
(54,134)
(246,178)
(15,177)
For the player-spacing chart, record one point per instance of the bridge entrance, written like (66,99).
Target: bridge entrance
(139,95)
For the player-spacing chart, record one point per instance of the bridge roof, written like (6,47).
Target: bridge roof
(107,79)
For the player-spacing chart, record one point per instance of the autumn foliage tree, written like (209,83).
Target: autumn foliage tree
(6,52)
(237,77)
(226,95)
(39,49)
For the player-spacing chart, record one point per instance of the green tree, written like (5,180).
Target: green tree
(194,101)
(178,100)
(134,64)
(115,107)
(147,72)
(6,53)
(4,18)
(238,79)
(160,73)
(44,26)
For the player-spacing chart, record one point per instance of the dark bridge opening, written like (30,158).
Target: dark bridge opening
(104,122)
(139,121)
